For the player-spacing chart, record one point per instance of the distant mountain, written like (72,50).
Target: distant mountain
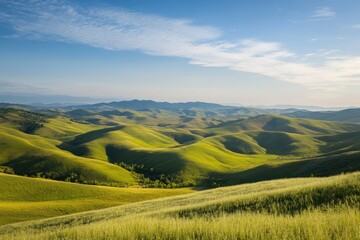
(149,104)
(348,115)
(302,107)
(17,106)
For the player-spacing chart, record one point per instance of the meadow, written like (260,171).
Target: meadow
(23,198)
(303,208)
(136,174)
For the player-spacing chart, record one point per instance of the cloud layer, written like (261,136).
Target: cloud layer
(120,29)
(324,12)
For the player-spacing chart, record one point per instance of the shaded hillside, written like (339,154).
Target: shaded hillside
(22,120)
(286,124)
(33,155)
(347,115)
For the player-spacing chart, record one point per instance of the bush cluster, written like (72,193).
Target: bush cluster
(149,177)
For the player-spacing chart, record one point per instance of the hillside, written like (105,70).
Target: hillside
(351,115)
(24,198)
(321,208)
(34,155)
(286,124)
(173,148)
(228,149)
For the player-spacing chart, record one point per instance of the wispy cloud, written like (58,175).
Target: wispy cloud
(120,29)
(324,12)
(322,53)
(356,26)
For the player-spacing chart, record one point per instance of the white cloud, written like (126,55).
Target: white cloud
(356,26)
(119,29)
(324,12)
(322,53)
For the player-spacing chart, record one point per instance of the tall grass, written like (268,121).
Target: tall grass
(314,225)
(308,208)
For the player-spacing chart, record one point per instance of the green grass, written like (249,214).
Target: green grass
(303,208)
(64,129)
(186,145)
(31,154)
(286,124)
(24,198)
(195,158)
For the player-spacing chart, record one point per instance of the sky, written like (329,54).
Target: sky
(257,52)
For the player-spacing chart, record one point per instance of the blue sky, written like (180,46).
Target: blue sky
(243,52)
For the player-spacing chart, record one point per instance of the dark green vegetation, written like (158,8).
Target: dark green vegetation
(303,208)
(173,145)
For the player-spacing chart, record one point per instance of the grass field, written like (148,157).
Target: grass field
(303,208)
(24,198)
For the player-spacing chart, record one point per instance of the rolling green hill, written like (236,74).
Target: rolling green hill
(174,146)
(24,198)
(228,149)
(286,124)
(347,115)
(171,148)
(316,208)
(34,155)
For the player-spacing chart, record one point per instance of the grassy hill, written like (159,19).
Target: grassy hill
(33,155)
(174,146)
(316,208)
(24,198)
(347,115)
(286,124)
(228,149)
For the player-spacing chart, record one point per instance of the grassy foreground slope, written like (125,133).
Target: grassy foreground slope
(24,198)
(304,208)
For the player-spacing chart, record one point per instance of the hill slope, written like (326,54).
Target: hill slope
(24,198)
(34,155)
(273,209)
(348,115)
(286,124)
(228,149)
(178,147)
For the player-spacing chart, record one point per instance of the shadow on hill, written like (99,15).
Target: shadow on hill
(276,142)
(88,137)
(279,124)
(163,161)
(341,143)
(319,166)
